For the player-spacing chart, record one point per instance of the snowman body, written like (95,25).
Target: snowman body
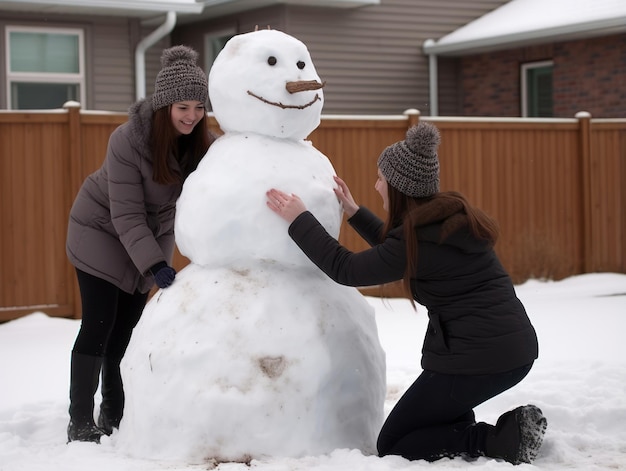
(230,223)
(253,351)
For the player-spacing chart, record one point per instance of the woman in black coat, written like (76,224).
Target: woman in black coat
(479,341)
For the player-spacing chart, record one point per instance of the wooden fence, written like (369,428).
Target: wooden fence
(557,188)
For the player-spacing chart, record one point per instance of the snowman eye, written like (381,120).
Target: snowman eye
(300,65)
(271,60)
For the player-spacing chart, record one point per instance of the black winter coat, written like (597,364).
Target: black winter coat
(477,325)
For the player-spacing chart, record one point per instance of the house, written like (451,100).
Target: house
(541,58)
(455,58)
(105,53)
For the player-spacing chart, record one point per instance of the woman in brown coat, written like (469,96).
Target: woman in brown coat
(121,232)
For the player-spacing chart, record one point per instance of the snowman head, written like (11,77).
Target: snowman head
(264,82)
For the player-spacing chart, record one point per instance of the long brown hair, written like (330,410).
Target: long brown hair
(449,206)
(165,142)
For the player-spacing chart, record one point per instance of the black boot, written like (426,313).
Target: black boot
(112,405)
(517,436)
(85,372)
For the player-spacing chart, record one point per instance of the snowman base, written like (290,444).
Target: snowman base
(228,365)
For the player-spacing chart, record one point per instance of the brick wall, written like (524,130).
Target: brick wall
(589,75)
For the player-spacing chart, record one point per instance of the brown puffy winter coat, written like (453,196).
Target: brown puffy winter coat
(122,222)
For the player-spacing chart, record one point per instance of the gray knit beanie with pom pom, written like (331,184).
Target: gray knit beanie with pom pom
(180,79)
(412,166)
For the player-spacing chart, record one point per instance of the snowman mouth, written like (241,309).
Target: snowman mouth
(282,105)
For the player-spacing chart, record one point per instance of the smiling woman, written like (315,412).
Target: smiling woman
(186,114)
(121,232)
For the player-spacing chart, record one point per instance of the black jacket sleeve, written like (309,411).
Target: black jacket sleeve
(383,263)
(367,225)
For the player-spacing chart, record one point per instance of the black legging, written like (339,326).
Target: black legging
(109,317)
(435,418)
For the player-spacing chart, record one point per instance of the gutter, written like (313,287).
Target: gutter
(140,52)
(433,78)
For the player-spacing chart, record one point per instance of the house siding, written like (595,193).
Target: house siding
(153,60)
(588,75)
(112,84)
(113,78)
(109,56)
(370,57)
(192,34)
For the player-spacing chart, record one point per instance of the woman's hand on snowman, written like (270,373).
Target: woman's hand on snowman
(288,207)
(345,197)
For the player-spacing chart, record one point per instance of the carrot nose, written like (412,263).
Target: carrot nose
(303,85)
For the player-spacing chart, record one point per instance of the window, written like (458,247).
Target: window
(214,42)
(537,89)
(45,67)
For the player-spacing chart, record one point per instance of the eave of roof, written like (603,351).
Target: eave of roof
(187,10)
(519,23)
(155,6)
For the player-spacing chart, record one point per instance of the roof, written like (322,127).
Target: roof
(103,7)
(526,22)
(148,8)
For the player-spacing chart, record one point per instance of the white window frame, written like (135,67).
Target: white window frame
(42,77)
(524,85)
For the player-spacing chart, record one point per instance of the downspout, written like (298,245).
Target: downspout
(140,52)
(433,79)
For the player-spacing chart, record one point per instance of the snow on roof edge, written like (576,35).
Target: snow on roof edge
(495,42)
(145,5)
(522,22)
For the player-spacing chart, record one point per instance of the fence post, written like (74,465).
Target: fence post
(75,180)
(412,116)
(74,136)
(584,142)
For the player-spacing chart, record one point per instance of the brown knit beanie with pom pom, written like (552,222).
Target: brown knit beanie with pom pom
(180,79)
(412,166)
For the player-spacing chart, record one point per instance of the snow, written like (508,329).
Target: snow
(521,17)
(281,374)
(579,381)
(182,6)
(302,373)
(254,358)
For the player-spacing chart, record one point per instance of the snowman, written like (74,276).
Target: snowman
(253,352)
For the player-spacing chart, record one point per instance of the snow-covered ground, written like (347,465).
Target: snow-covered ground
(579,381)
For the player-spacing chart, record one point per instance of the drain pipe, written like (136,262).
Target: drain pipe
(140,52)
(433,79)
